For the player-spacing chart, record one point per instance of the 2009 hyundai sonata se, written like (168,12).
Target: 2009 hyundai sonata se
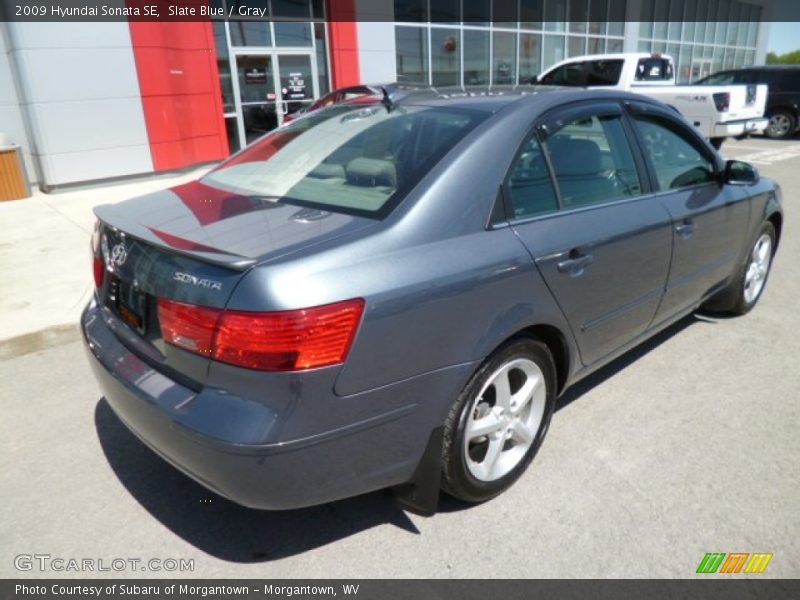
(395,295)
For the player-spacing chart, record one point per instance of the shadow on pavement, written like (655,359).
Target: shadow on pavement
(230,532)
(221,528)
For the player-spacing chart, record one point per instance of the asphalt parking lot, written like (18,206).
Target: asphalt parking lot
(687,445)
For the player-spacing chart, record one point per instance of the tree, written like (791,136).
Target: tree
(790,58)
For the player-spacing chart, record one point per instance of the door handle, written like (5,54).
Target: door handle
(685,229)
(576,264)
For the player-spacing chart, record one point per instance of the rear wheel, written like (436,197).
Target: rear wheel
(499,421)
(782,124)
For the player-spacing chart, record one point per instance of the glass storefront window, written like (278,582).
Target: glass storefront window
(596,46)
(412,54)
(250,33)
(577,15)
(553,50)
(224,67)
(445,57)
(505,58)
(614,45)
(321,43)
(292,34)
(476,57)
(530,51)
(616,17)
(598,16)
(576,46)
(530,14)
(555,15)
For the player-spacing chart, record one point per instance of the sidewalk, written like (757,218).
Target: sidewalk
(45,268)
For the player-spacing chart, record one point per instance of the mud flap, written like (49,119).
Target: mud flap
(420,495)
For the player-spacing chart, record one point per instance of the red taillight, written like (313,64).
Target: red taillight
(99,271)
(290,340)
(188,326)
(722,100)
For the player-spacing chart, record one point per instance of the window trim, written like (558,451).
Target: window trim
(636,107)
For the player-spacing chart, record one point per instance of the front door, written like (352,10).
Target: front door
(271,85)
(709,220)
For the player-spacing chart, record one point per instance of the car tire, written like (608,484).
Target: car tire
(751,277)
(717,142)
(499,421)
(782,125)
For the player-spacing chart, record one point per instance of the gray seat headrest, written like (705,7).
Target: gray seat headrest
(371,172)
(577,157)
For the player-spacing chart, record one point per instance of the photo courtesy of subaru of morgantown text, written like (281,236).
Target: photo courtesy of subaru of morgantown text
(393,292)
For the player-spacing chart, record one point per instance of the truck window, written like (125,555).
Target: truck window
(654,69)
(603,72)
(570,74)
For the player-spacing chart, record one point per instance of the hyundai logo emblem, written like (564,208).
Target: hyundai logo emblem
(118,255)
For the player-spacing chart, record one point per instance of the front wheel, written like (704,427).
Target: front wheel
(750,280)
(499,421)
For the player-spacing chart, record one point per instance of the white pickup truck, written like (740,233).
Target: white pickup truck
(718,111)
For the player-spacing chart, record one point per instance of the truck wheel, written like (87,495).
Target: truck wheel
(717,142)
(782,125)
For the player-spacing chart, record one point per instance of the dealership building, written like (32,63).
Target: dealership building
(93,101)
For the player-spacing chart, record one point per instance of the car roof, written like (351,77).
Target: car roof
(493,99)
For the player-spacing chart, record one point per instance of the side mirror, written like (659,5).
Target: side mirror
(740,173)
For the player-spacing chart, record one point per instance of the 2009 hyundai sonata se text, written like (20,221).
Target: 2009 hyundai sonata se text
(393,296)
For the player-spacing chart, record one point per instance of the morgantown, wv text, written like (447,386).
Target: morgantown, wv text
(181,590)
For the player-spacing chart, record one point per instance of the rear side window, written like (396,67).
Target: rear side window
(674,155)
(654,69)
(345,158)
(529,183)
(593,162)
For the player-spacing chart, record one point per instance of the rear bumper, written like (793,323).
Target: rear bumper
(379,451)
(743,127)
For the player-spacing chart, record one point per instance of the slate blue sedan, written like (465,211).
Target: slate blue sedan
(394,295)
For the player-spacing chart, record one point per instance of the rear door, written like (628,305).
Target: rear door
(583,209)
(709,220)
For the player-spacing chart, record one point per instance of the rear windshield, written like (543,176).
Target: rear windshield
(358,160)
(654,69)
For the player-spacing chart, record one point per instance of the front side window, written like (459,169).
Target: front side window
(345,158)
(603,72)
(593,162)
(570,74)
(677,160)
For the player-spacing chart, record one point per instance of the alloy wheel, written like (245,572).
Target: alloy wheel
(504,419)
(756,275)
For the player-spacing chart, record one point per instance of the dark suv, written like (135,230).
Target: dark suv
(783,101)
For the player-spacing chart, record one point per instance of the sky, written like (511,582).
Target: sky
(784,37)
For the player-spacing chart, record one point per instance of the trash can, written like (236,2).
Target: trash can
(13,181)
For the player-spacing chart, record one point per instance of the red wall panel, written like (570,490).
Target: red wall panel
(181,95)
(343,36)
